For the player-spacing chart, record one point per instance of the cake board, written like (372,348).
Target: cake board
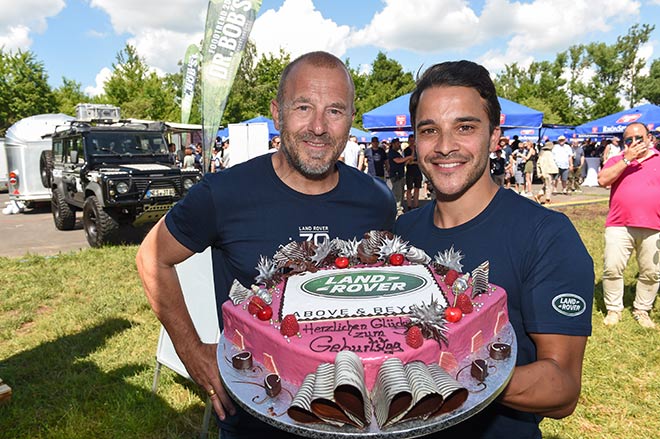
(247,389)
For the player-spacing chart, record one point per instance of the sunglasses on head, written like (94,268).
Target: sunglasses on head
(629,140)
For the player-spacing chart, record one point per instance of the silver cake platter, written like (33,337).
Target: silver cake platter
(246,387)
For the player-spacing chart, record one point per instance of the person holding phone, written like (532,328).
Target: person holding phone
(633,223)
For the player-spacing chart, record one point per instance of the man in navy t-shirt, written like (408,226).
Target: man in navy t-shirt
(298,193)
(534,253)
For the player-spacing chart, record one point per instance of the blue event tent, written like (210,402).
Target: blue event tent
(546,132)
(362,136)
(616,123)
(394,115)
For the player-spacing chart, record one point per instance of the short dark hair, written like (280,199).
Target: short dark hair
(459,74)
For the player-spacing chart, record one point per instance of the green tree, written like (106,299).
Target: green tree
(649,86)
(255,85)
(139,93)
(68,95)
(601,92)
(628,47)
(541,86)
(386,81)
(24,89)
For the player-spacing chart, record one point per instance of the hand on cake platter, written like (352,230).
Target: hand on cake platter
(201,363)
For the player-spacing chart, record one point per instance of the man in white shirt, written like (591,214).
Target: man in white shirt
(562,153)
(353,154)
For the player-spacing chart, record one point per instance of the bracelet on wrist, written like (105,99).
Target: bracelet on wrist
(626,161)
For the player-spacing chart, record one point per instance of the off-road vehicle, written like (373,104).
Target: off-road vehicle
(119,174)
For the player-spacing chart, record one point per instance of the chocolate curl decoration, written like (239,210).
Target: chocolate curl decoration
(479,370)
(242,360)
(480,279)
(272,384)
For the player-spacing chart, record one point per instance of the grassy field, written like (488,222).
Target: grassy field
(78,342)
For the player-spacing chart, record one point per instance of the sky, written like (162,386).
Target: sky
(80,39)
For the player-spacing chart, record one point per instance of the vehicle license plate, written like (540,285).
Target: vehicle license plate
(160,192)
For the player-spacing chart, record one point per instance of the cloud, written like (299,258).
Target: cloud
(524,30)
(101,78)
(420,26)
(19,18)
(298,27)
(160,33)
(16,37)
(177,16)
(573,21)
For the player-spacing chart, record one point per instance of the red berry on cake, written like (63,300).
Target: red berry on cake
(453,314)
(450,277)
(464,303)
(289,326)
(256,304)
(265,313)
(397,259)
(341,262)
(414,337)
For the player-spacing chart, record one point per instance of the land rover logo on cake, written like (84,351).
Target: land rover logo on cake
(364,284)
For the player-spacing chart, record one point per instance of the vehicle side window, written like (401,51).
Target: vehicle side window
(77,145)
(57,150)
(65,150)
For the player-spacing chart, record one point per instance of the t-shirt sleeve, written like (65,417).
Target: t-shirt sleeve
(557,296)
(192,221)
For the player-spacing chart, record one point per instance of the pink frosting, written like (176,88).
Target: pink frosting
(374,339)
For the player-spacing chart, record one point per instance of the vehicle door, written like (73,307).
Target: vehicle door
(74,160)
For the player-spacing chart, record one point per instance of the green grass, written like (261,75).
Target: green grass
(78,342)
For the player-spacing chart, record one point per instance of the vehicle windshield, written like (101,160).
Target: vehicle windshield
(129,143)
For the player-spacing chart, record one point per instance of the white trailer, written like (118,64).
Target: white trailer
(24,142)
(3,166)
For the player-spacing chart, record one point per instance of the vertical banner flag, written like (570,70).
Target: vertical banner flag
(190,64)
(228,25)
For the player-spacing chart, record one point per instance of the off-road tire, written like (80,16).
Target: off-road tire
(63,215)
(100,227)
(46,168)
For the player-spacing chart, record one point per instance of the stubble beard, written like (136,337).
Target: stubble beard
(473,176)
(319,165)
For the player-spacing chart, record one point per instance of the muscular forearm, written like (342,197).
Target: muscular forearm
(551,385)
(542,388)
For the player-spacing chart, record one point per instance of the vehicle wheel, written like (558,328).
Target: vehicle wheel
(100,227)
(63,216)
(46,168)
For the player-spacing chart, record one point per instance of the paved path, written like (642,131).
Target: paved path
(33,231)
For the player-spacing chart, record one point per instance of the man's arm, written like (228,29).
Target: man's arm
(551,385)
(156,257)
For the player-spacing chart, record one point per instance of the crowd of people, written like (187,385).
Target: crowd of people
(393,162)
(560,165)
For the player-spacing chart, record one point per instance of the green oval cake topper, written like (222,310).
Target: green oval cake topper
(363,284)
(568,304)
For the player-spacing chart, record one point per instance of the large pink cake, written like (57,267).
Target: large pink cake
(383,288)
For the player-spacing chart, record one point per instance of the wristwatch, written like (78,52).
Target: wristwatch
(626,161)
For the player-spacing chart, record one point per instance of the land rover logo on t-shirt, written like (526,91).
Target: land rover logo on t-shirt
(568,304)
(364,284)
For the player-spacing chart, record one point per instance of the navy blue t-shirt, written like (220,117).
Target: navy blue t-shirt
(246,211)
(375,161)
(537,256)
